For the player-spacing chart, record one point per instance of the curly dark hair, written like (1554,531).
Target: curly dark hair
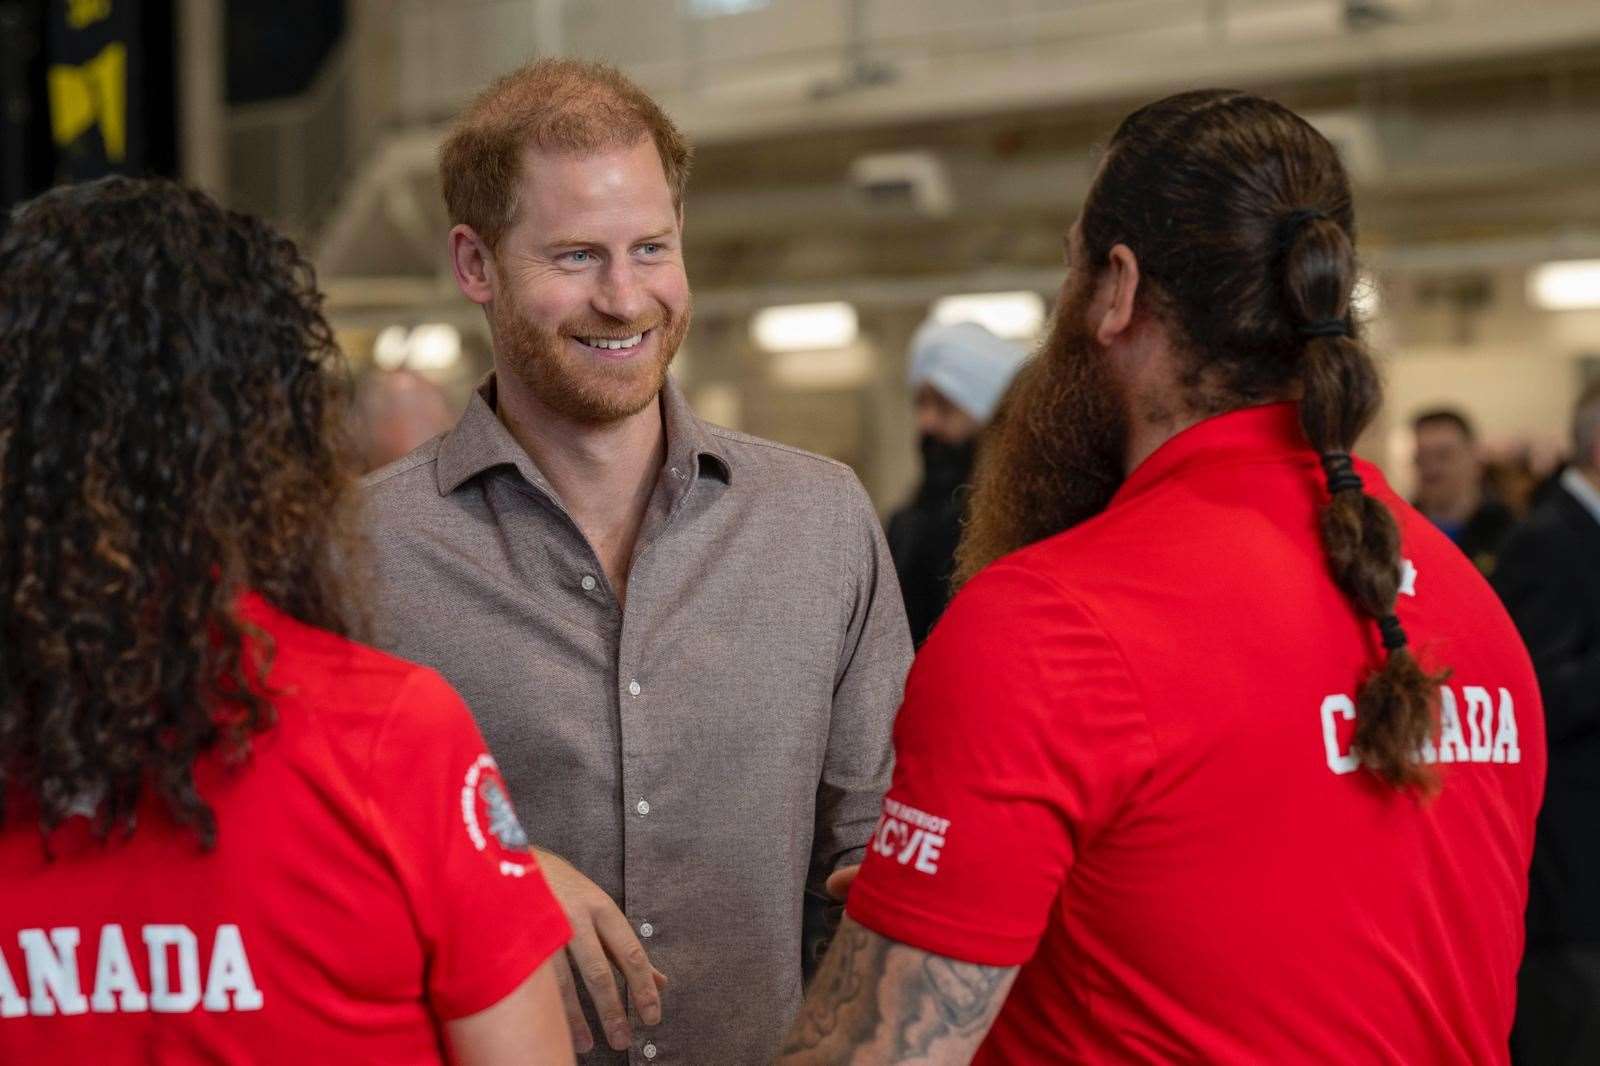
(169,402)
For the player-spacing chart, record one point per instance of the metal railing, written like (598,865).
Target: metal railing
(288,159)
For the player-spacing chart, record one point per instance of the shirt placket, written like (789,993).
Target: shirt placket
(648,812)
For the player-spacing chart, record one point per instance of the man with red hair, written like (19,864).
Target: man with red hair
(684,645)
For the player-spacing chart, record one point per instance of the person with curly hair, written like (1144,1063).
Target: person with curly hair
(229,832)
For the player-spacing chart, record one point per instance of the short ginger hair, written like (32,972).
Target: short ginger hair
(556,105)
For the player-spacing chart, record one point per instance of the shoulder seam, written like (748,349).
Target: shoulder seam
(402,466)
(745,438)
(1134,688)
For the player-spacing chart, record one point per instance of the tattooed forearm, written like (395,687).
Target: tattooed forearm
(842,991)
(877,1001)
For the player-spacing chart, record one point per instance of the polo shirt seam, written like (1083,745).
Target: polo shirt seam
(368,812)
(1135,689)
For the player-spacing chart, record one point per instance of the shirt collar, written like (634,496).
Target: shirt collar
(480,441)
(1575,483)
(1247,434)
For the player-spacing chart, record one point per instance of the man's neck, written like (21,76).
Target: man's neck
(603,474)
(1144,438)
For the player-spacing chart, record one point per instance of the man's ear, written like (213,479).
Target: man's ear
(472,263)
(1119,289)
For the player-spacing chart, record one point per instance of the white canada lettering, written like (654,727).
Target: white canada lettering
(53,970)
(12,1005)
(1492,730)
(910,837)
(1452,744)
(1344,707)
(1480,709)
(164,998)
(116,986)
(230,972)
(52,973)
(1505,738)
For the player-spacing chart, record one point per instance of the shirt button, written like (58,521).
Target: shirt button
(634,688)
(647,930)
(649,1051)
(643,807)
(588,582)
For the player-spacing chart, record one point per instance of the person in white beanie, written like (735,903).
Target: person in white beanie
(958,374)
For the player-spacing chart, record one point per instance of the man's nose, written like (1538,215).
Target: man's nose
(621,295)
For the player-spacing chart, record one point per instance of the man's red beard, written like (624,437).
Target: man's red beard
(587,390)
(1055,453)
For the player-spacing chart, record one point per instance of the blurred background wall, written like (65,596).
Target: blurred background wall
(864,164)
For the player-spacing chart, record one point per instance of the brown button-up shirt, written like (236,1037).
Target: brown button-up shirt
(708,755)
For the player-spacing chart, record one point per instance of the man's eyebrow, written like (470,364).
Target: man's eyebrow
(583,242)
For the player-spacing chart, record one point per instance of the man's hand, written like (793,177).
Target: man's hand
(601,937)
(839,882)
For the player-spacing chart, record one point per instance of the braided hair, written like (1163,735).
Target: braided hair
(1240,215)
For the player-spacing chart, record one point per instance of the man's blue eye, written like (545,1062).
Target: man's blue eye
(579,256)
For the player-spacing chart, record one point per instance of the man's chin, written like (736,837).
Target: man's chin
(603,395)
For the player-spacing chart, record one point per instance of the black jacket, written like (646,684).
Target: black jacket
(1486,534)
(923,535)
(1549,578)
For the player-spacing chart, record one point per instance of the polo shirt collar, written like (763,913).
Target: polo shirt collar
(480,441)
(1247,434)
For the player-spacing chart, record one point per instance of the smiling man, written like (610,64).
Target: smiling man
(683,645)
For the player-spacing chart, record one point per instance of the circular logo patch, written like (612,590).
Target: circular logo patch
(491,820)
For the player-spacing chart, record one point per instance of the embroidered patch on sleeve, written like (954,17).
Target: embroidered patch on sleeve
(490,819)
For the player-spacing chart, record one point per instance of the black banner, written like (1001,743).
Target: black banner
(96,67)
(27,159)
(111,87)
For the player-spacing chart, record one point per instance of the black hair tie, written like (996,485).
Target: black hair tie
(1341,473)
(1289,225)
(1394,635)
(1326,327)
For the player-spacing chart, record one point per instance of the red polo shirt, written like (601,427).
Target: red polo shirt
(369,879)
(1124,764)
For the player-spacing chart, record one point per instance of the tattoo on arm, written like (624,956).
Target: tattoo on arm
(894,1003)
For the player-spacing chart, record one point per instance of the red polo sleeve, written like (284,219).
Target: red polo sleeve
(486,917)
(1018,739)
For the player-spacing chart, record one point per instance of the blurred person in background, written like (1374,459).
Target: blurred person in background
(395,412)
(685,645)
(1549,578)
(1450,486)
(958,373)
(229,833)
(1225,754)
